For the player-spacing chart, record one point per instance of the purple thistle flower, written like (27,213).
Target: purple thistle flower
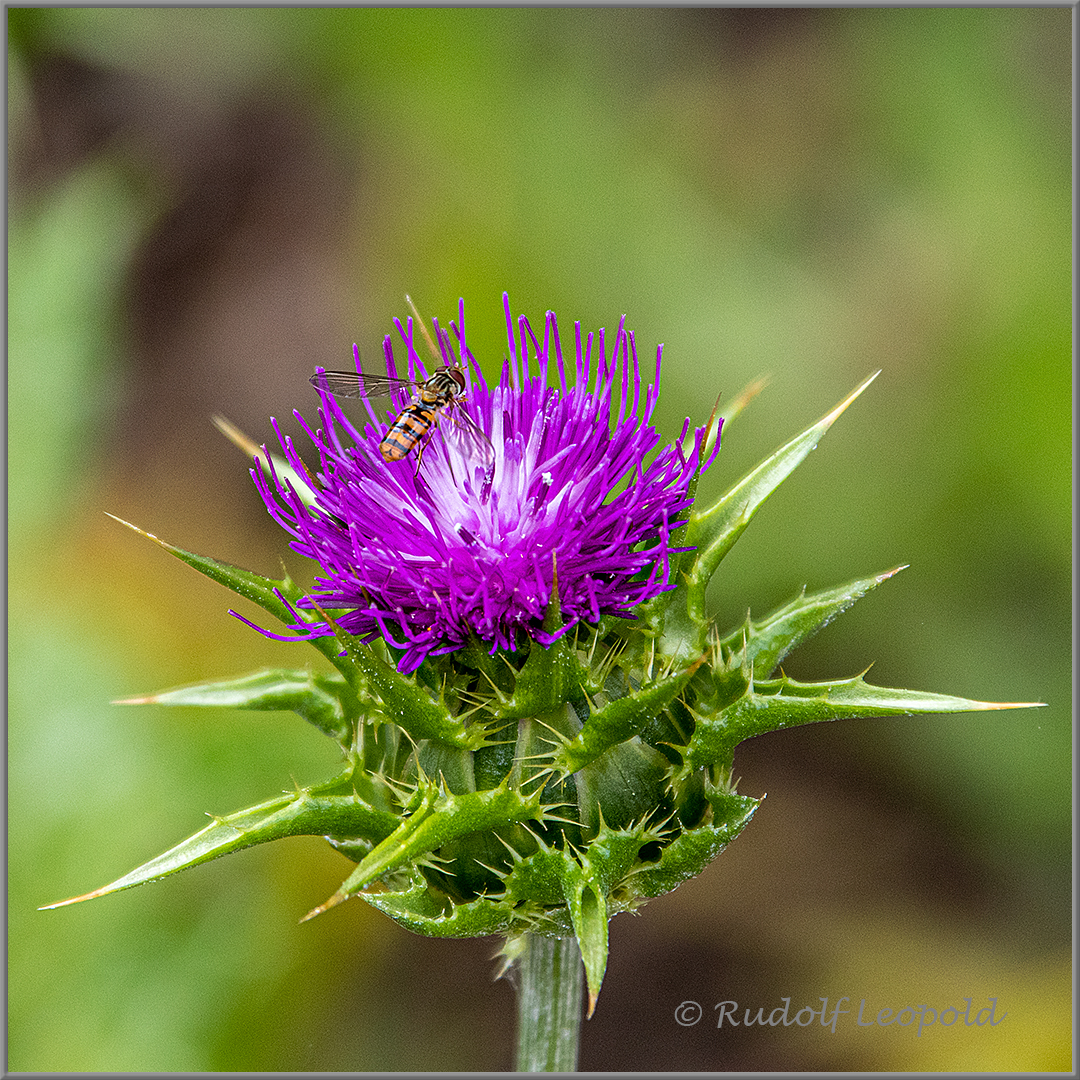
(472,543)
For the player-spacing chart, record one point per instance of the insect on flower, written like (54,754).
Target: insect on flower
(415,425)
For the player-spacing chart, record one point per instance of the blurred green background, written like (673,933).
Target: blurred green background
(206,203)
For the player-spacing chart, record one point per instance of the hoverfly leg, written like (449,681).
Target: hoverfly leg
(427,437)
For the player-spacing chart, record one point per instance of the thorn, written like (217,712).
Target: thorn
(559,736)
(544,755)
(141,532)
(424,330)
(237,437)
(885,575)
(745,396)
(592,1004)
(515,854)
(75,899)
(499,695)
(985,706)
(337,898)
(829,418)
(540,779)
(502,875)
(437,862)
(540,843)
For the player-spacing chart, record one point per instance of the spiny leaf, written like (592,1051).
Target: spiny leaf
(420,912)
(439,819)
(545,681)
(743,398)
(766,643)
(270,594)
(587,901)
(713,532)
(326,701)
(681,561)
(720,416)
(266,592)
(329,809)
(783,703)
(620,720)
(612,852)
(693,849)
(408,704)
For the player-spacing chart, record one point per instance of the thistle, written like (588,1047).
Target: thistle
(536,714)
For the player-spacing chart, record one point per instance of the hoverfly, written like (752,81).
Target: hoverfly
(415,424)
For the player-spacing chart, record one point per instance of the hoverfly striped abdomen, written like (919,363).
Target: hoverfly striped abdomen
(412,424)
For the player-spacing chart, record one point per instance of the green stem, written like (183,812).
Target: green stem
(549,1004)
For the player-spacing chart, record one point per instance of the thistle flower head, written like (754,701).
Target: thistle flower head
(565,505)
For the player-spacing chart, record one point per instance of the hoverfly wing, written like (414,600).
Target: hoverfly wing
(338,383)
(354,385)
(473,444)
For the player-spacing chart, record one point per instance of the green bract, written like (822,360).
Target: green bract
(542,791)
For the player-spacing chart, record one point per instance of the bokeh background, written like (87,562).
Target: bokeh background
(206,203)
